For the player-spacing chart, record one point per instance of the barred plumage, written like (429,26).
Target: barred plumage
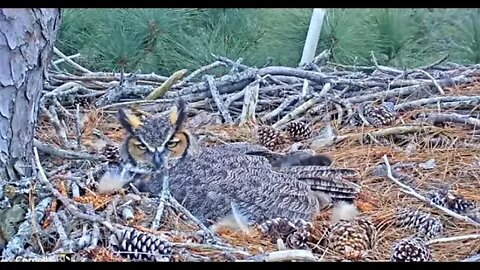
(425,225)
(410,250)
(456,203)
(298,131)
(139,246)
(337,183)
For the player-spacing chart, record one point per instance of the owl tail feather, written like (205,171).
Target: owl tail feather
(324,200)
(338,183)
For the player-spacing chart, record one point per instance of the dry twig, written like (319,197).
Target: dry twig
(454,238)
(410,191)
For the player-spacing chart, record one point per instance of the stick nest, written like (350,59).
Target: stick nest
(320,96)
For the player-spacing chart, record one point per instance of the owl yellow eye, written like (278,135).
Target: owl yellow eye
(172,144)
(142,147)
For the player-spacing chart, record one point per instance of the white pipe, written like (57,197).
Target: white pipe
(313,35)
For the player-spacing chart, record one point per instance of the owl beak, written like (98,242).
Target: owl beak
(158,159)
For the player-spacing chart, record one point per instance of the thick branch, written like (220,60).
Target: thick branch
(160,91)
(454,238)
(218,100)
(52,150)
(433,100)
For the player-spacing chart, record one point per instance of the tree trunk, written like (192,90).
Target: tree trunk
(26,42)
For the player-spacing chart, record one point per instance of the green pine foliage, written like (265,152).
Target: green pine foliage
(166,40)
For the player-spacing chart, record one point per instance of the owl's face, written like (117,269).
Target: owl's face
(157,141)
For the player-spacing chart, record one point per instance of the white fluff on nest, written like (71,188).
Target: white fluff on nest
(235,221)
(112,182)
(344,211)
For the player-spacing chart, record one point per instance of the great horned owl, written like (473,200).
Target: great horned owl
(211,182)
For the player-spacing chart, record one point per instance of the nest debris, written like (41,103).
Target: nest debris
(435,118)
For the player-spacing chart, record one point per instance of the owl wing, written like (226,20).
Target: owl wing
(338,183)
(209,185)
(241,148)
(295,158)
(261,194)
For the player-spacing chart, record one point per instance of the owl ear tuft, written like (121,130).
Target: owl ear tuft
(129,121)
(178,114)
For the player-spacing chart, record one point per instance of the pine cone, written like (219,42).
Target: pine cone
(112,153)
(438,198)
(356,235)
(382,115)
(370,229)
(301,224)
(298,239)
(410,250)
(475,215)
(319,234)
(82,101)
(356,120)
(376,115)
(460,205)
(456,203)
(270,137)
(200,237)
(426,226)
(139,246)
(277,228)
(282,228)
(298,131)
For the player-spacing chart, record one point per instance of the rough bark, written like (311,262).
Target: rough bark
(26,42)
